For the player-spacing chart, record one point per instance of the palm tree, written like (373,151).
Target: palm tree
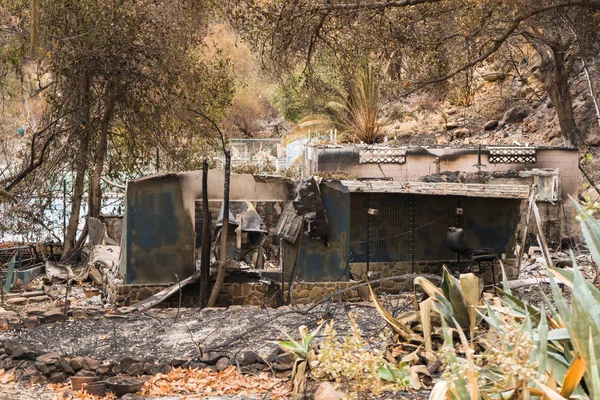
(358,116)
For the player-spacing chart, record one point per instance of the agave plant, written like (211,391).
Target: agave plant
(566,340)
(303,354)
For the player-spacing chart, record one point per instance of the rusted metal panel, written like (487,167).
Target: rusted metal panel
(491,223)
(318,261)
(412,228)
(160,232)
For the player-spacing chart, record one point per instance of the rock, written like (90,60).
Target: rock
(132,396)
(450,125)
(18,351)
(126,363)
(326,391)
(35,312)
(284,358)
(16,300)
(517,114)
(64,365)
(76,363)
(592,139)
(462,132)
(135,369)
(39,298)
(31,322)
(247,358)
(104,368)
(44,368)
(53,316)
(48,358)
(222,364)
(178,362)
(58,377)
(533,126)
(493,76)
(316,293)
(85,372)
(490,125)
(9,320)
(165,369)
(281,367)
(29,371)
(89,363)
(211,358)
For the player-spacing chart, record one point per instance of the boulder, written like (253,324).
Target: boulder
(31,322)
(247,358)
(17,351)
(450,125)
(490,125)
(16,300)
(211,357)
(592,139)
(462,132)
(104,368)
(64,365)
(327,391)
(76,363)
(48,358)
(222,364)
(517,114)
(89,363)
(493,76)
(126,364)
(54,316)
(58,377)
(45,369)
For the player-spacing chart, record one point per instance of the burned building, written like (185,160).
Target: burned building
(399,212)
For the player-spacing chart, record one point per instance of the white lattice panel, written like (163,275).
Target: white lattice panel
(512,155)
(381,155)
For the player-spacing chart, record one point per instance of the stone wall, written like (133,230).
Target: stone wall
(121,294)
(389,269)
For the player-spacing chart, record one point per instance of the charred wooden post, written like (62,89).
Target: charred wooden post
(206,239)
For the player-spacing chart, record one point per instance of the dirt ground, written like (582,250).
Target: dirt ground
(167,334)
(158,335)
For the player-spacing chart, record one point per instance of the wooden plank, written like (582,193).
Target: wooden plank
(541,237)
(527,220)
(442,188)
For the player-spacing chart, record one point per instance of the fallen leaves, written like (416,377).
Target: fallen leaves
(205,381)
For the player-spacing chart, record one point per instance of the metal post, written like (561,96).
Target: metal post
(157,161)
(412,230)
(368,231)
(64,207)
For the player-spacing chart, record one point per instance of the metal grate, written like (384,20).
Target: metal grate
(512,155)
(381,155)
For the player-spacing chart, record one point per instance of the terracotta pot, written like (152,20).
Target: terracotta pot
(77,381)
(97,388)
(122,385)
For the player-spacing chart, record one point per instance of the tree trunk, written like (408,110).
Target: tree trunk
(78,189)
(82,123)
(555,71)
(224,228)
(557,86)
(100,155)
(206,239)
